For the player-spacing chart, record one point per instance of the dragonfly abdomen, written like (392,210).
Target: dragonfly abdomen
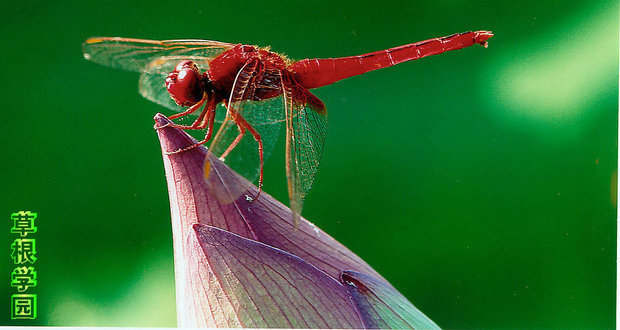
(314,73)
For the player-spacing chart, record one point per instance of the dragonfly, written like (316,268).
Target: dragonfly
(250,92)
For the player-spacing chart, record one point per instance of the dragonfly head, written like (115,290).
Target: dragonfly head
(185,84)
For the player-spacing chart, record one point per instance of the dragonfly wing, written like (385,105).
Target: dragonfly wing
(152,83)
(306,127)
(136,54)
(264,117)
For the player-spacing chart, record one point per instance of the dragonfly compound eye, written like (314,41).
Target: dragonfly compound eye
(185,84)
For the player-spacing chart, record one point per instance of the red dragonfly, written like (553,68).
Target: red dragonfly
(259,90)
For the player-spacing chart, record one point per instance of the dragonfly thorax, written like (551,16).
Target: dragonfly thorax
(186,85)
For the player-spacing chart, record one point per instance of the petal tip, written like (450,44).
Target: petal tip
(161,121)
(172,139)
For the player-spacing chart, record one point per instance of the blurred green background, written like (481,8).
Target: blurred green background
(480,182)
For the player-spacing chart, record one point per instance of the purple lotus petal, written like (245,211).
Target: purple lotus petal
(265,220)
(381,306)
(262,286)
(245,264)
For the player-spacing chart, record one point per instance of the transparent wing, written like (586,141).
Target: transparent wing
(264,116)
(306,127)
(152,83)
(136,54)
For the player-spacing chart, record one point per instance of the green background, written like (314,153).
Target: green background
(480,182)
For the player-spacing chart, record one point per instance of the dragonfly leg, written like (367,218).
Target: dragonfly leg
(242,123)
(206,119)
(199,122)
(234,143)
(209,122)
(190,109)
